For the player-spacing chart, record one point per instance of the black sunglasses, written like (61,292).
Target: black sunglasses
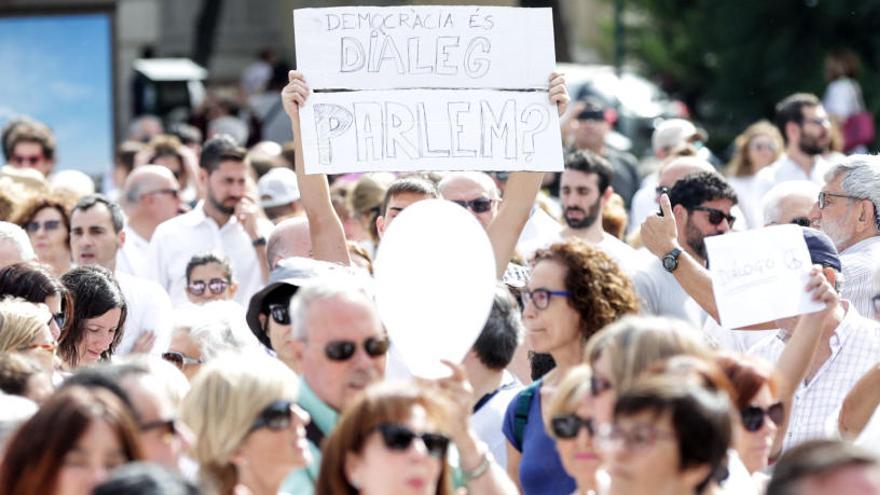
(48,226)
(277,416)
(753,416)
(343,350)
(280,313)
(215,285)
(397,437)
(479,205)
(180,359)
(569,425)
(716,215)
(168,426)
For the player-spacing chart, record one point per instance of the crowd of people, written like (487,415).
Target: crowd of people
(209,325)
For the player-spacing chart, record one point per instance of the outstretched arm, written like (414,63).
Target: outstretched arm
(325,228)
(519,195)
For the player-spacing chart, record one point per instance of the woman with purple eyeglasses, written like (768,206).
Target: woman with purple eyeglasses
(209,278)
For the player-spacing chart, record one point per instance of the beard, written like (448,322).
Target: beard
(696,240)
(812,145)
(222,208)
(839,234)
(587,221)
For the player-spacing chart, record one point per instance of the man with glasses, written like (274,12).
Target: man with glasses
(96,236)
(152,195)
(475,191)
(341,347)
(848,211)
(805,126)
(701,204)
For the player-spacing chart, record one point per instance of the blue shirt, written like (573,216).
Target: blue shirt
(540,469)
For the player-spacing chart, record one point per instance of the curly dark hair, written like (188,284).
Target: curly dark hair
(696,188)
(600,291)
(35,205)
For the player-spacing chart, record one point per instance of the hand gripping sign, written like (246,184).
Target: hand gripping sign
(427,88)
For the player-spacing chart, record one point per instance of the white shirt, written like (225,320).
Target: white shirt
(177,240)
(739,341)
(855,348)
(749,199)
(147,309)
(628,258)
(785,169)
(662,295)
(860,263)
(843,97)
(487,420)
(134,257)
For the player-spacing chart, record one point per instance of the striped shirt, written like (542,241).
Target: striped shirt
(855,348)
(860,263)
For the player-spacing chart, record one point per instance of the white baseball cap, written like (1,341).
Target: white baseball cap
(278,187)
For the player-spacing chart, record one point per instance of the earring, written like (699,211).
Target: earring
(355,483)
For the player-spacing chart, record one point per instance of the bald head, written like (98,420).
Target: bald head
(148,178)
(152,195)
(469,186)
(289,238)
(679,167)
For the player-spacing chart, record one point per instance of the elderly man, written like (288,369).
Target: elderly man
(475,191)
(15,246)
(790,202)
(848,210)
(291,237)
(341,346)
(152,195)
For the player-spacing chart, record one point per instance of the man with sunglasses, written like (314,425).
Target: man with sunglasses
(340,345)
(474,191)
(96,236)
(700,203)
(152,195)
(848,211)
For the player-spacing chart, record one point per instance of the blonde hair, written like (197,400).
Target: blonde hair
(741,165)
(21,323)
(635,343)
(569,395)
(226,397)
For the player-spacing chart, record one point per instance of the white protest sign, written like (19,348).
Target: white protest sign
(760,275)
(427,88)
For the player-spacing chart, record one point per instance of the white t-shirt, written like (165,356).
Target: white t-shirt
(662,295)
(486,421)
(842,97)
(134,257)
(739,341)
(148,309)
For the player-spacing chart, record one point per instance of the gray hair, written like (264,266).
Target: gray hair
(772,201)
(350,288)
(18,237)
(862,179)
(216,327)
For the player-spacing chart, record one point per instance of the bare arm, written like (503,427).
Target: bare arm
(513,458)
(325,228)
(519,196)
(860,404)
(800,349)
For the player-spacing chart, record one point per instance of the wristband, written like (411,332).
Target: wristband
(259,241)
(485,463)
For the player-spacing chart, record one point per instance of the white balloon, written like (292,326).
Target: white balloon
(435,283)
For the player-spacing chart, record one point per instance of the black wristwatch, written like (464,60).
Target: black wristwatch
(259,241)
(670,261)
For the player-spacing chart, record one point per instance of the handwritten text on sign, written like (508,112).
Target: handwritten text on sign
(760,275)
(415,88)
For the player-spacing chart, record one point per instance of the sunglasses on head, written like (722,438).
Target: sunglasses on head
(569,425)
(398,437)
(716,215)
(217,286)
(479,205)
(180,359)
(343,350)
(753,416)
(280,313)
(48,226)
(277,416)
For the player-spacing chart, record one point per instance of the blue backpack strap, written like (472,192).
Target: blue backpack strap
(521,413)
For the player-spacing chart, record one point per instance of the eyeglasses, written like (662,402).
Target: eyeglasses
(479,205)
(45,346)
(216,285)
(762,146)
(802,221)
(599,385)
(27,160)
(823,201)
(753,416)
(398,437)
(172,192)
(180,359)
(716,215)
(343,350)
(277,416)
(541,297)
(48,226)
(634,439)
(591,115)
(569,425)
(168,426)
(280,313)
